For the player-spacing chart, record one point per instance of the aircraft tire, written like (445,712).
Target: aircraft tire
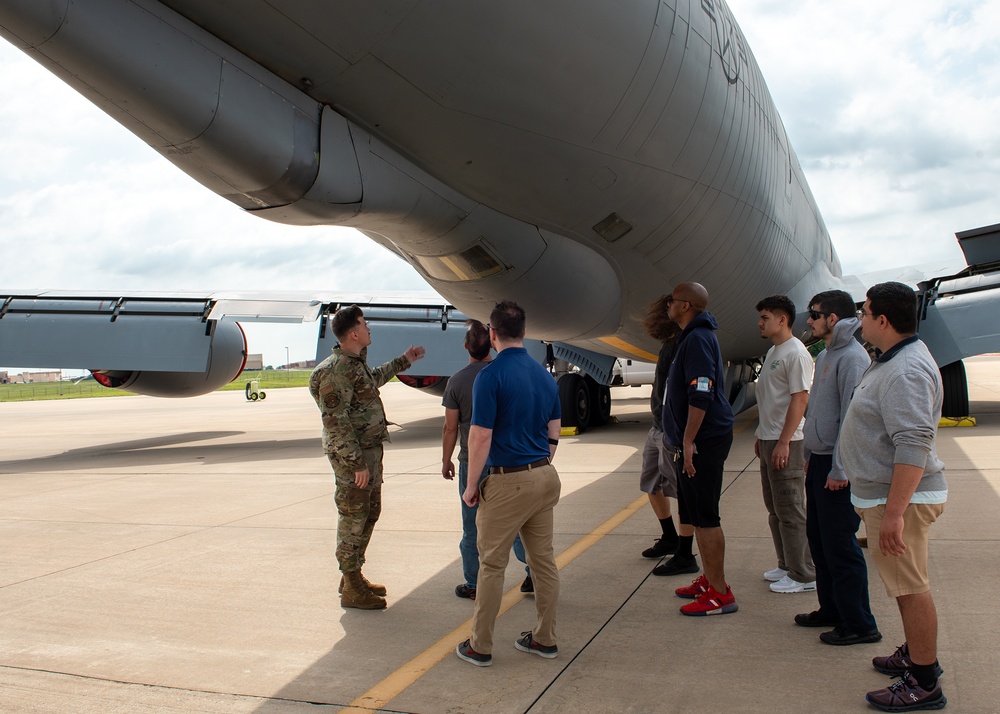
(956,390)
(600,402)
(574,401)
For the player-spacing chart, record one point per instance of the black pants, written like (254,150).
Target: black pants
(841,572)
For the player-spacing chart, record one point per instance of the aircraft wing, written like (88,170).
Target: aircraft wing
(912,275)
(958,303)
(184,344)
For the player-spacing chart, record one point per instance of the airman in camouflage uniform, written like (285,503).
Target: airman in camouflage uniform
(346,391)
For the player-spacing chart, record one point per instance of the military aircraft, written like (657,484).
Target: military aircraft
(580,157)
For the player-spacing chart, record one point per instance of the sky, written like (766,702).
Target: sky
(891,108)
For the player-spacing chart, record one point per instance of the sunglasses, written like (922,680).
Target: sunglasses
(816,314)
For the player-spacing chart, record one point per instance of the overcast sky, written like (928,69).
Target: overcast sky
(892,109)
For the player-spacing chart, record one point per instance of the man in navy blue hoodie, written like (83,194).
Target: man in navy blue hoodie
(698,424)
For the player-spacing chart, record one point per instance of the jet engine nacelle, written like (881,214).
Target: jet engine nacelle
(164,347)
(226,359)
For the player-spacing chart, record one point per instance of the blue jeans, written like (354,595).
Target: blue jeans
(467,546)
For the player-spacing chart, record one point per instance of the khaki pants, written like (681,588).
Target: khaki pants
(509,503)
(784,494)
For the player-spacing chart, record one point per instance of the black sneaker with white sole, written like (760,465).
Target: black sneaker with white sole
(527,643)
(465,651)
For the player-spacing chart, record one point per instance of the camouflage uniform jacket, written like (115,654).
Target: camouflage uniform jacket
(346,392)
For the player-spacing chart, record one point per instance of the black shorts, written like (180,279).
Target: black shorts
(698,497)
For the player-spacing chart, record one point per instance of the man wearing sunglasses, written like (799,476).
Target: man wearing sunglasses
(831,521)
(698,425)
(898,485)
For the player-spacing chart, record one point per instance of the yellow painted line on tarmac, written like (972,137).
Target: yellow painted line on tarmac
(393,685)
(631,349)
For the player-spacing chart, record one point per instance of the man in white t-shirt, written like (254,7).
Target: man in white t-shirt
(782,395)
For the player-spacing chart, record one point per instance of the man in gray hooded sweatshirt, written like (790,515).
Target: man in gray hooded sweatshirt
(831,521)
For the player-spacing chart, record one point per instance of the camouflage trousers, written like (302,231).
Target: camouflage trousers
(359,509)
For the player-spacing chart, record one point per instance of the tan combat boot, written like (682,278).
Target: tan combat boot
(374,587)
(356,593)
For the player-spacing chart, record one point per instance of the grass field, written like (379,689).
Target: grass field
(269,379)
(56,390)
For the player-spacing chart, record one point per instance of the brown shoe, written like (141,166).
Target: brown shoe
(356,593)
(374,587)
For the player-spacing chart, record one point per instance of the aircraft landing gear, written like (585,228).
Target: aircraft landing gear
(584,402)
(574,401)
(956,390)
(600,401)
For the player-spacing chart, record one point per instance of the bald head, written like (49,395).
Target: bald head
(694,293)
(686,302)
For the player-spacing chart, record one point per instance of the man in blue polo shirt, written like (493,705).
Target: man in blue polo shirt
(698,423)
(514,432)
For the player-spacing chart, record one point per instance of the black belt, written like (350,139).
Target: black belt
(515,469)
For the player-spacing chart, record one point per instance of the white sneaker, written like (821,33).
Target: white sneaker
(787,585)
(775,575)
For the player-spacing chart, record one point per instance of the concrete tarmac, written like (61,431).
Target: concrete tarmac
(178,556)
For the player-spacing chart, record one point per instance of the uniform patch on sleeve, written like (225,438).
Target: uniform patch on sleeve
(703,384)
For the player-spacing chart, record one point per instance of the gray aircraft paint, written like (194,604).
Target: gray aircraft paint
(583,156)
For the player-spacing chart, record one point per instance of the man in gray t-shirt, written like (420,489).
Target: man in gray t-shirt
(457,403)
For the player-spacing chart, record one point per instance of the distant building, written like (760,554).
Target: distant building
(304,364)
(3,378)
(37,377)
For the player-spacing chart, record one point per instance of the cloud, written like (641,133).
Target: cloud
(892,111)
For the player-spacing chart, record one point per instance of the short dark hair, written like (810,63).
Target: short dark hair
(477,339)
(779,303)
(345,319)
(897,302)
(658,324)
(508,320)
(835,302)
